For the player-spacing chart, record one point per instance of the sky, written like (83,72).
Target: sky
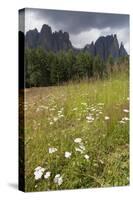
(83,27)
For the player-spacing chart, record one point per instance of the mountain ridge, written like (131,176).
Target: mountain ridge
(57,41)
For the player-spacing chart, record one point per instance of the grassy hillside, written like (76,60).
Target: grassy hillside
(80,131)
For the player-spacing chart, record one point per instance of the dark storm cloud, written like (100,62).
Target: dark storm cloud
(77,22)
(83,27)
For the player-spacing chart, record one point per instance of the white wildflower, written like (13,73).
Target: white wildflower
(84,104)
(38,175)
(47,175)
(51,123)
(101,161)
(58,179)
(86,157)
(25,108)
(74,109)
(78,140)
(60,111)
(90,118)
(60,116)
(79,150)
(82,147)
(38,172)
(55,119)
(38,168)
(106,117)
(125,118)
(100,104)
(100,112)
(52,150)
(68,154)
(122,122)
(52,109)
(126,110)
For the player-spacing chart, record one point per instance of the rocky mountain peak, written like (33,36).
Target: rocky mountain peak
(46,29)
(59,40)
(122,51)
(48,40)
(106,46)
(31,38)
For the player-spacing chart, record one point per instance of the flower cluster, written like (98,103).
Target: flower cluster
(81,147)
(52,150)
(58,179)
(38,172)
(106,117)
(68,154)
(124,119)
(90,119)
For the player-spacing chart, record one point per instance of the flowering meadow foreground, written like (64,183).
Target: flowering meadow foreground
(77,135)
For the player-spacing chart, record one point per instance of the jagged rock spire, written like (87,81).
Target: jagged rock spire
(58,41)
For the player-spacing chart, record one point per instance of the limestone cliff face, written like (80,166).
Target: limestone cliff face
(61,41)
(45,37)
(90,48)
(48,40)
(31,39)
(122,51)
(58,41)
(106,46)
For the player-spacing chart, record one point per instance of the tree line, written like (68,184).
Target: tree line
(48,68)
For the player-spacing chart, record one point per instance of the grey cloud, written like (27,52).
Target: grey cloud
(77,22)
(83,27)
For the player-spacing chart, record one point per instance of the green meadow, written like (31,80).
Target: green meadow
(77,134)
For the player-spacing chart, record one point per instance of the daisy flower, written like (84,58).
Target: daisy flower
(38,172)
(78,140)
(86,157)
(52,150)
(67,154)
(58,179)
(47,175)
(106,117)
(126,110)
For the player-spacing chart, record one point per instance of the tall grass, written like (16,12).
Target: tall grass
(56,116)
